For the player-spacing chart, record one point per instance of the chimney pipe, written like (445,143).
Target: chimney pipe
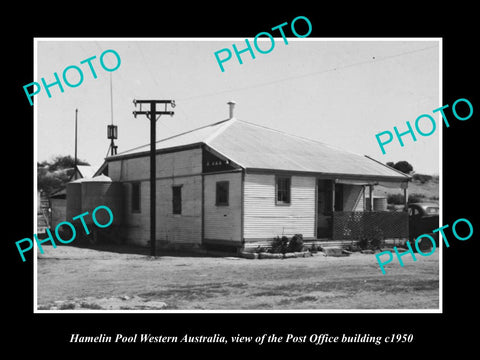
(231,106)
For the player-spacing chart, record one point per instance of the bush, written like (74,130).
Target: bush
(279,245)
(296,243)
(315,248)
(259,249)
(376,241)
(396,199)
(372,240)
(353,247)
(413,198)
(423,178)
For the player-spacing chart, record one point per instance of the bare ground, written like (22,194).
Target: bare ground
(74,278)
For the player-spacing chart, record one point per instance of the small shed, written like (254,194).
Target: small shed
(58,207)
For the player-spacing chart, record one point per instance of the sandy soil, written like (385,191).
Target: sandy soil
(73,278)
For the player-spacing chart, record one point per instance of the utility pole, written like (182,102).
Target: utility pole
(151,114)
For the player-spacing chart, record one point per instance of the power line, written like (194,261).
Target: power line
(146,64)
(388,57)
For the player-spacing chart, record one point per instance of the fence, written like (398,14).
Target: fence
(352,225)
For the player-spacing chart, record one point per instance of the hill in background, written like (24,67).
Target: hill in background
(421,188)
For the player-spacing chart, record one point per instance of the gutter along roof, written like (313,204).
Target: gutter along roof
(254,147)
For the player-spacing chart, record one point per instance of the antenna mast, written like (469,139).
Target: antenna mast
(112,130)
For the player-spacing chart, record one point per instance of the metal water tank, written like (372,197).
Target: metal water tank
(101,190)
(74,199)
(379,203)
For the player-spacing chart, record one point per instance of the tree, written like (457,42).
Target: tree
(65,162)
(391,164)
(404,167)
(54,175)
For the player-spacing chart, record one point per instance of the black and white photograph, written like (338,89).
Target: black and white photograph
(277,186)
(277,199)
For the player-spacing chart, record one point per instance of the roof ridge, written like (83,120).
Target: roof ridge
(301,137)
(220,130)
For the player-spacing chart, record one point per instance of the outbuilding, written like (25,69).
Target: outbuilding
(236,184)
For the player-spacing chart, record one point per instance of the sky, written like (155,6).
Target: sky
(339,91)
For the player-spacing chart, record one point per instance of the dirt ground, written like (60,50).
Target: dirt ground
(73,278)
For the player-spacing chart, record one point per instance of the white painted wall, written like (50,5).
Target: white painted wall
(223,222)
(179,168)
(264,219)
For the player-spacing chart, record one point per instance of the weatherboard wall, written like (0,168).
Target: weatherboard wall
(264,219)
(181,168)
(223,223)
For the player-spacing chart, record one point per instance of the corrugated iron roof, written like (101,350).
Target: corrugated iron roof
(257,147)
(196,136)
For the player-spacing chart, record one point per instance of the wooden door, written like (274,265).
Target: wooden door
(324,208)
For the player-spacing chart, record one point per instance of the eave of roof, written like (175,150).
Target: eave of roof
(157,151)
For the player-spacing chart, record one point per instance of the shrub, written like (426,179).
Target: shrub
(395,199)
(353,247)
(259,249)
(296,243)
(413,198)
(377,237)
(423,178)
(279,245)
(372,240)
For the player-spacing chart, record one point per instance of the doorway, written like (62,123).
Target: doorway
(324,208)
(329,199)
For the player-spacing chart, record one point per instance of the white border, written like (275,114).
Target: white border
(312,311)
(35,176)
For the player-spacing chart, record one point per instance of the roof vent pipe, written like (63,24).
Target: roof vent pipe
(231,106)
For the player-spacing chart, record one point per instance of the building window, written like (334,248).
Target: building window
(177,199)
(283,185)
(221,194)
(135,197)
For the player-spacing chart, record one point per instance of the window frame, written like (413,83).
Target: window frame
(179,202)
(279,178)
(217,184)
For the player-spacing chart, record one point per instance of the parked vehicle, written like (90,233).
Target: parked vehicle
(423,219)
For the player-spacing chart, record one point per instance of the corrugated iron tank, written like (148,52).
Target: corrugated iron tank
(379,203)
(86,194)
(74,199)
